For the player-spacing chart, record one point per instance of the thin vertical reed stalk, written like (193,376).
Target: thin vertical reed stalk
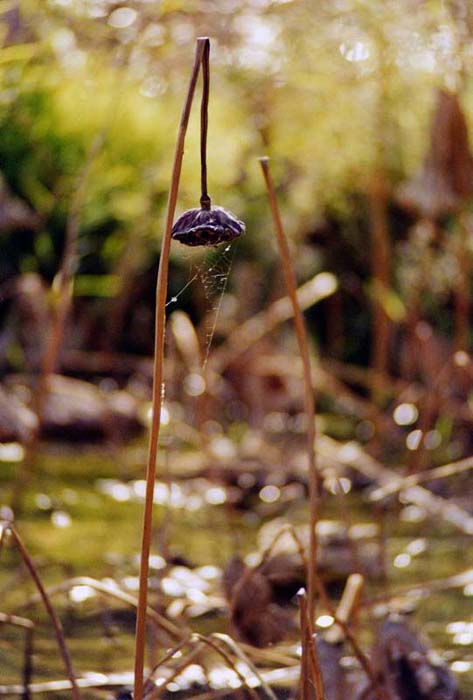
(304,677)
(160,321)
(316,673)
(311,684)
(205,201)
(359,653)
(49,608)
(309,397)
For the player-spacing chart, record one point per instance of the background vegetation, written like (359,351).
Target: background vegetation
(364,107)
(339,93)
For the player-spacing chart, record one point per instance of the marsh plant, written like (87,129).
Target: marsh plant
(206,226)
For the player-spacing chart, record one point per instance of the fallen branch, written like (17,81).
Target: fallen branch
(111,592)
(451,469)
(352,455)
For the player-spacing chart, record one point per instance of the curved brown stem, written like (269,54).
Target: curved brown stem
(49,608)
(160,321)
(213,645)
(168,655)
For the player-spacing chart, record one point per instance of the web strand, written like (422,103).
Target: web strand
(220,272)
(213,274)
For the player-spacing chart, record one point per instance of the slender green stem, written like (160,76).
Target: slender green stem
(309,397)
(161,292)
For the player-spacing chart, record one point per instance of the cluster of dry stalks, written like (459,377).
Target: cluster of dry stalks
(311,685)
(201,59)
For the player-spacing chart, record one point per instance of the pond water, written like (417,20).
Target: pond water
(82,518)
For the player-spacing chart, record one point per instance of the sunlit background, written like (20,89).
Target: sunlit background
(365,109)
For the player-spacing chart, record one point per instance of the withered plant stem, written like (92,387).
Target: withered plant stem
(155,692)
(228,660)
(359,653)
(238,651)
(168,655)
(311,683)
(117,594)
(204,124)
(30,565)
(160,320)
(309,395)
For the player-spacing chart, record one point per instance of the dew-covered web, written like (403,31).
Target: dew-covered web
(212,273)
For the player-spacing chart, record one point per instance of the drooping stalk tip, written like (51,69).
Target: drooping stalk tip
(205,201)
(235,228)
(207,226)
(158,375)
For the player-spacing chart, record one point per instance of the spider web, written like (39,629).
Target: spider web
(212,273)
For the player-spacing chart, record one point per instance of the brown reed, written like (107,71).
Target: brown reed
(160,320)
(309,396)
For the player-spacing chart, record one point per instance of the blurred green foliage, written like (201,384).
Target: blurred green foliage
(334,91)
